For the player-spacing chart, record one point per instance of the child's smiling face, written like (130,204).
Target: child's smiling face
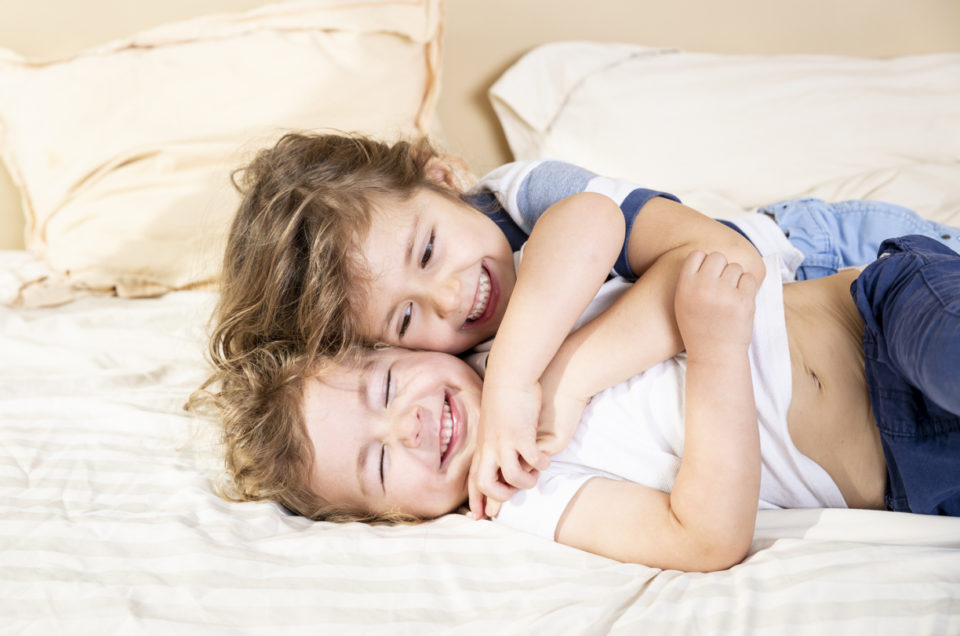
(439,274)
(394,433)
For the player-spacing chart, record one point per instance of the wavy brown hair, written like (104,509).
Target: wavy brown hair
(288,296)
(268,453)
(291,259)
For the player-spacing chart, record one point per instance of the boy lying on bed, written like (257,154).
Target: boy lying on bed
(314,259)
(779,409)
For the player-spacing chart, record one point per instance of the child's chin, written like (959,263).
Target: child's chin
(482,335)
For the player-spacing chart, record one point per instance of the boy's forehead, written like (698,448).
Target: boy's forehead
(354,372)
(336,395)
(349,374)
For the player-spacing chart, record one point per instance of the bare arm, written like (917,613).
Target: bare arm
(565,262)
(558,277)
(706,522)
(598,355)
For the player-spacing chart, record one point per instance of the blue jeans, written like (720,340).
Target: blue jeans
(909,299)
(848,233)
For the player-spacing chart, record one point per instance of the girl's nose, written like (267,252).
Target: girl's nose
(446,296)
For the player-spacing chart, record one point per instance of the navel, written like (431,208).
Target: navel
(816,379)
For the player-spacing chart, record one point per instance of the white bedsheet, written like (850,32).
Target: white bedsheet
(108,524)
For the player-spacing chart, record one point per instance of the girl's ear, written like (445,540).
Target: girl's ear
(439,172)
(450,172)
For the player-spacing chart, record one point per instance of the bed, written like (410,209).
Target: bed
(109,519)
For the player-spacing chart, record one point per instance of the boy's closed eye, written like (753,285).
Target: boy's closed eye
(383,454)
(386,387)
(386,403)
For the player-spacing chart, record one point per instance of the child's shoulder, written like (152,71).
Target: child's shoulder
(526,189)
(533,171)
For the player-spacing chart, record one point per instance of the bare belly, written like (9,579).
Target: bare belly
(830,419)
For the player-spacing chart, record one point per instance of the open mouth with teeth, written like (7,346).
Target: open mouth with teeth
(446,429)
(482,298)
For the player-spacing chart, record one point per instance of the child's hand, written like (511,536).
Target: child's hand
(559,418)
(507,456)
(714,304)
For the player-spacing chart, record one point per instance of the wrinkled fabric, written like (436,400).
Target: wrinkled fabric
(909,299)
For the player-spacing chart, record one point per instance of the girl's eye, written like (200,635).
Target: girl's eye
(405,320)
(428,252)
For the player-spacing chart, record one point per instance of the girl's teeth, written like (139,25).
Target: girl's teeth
(483,296)
(446,428)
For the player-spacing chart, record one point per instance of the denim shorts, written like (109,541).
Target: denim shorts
(909,299)
(849,233)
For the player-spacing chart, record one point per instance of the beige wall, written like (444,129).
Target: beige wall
(482,37)
(475,55)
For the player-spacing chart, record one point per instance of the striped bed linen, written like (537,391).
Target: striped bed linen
(109,525)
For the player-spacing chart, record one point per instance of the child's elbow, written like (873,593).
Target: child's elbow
(717,544)
(726,556)
(696,556)
(749,259)
(713,555)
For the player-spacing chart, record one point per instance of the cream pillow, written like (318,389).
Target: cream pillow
(123,153)
(733,132)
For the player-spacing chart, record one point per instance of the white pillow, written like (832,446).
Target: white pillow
(123,153)
(734,132)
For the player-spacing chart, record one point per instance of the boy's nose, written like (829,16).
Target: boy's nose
(409,426)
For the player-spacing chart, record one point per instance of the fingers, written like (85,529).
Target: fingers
(490,483)
(475,498)
(533,458)
(731,273)
(482,505)
(550,444)
(692,264)
(514,471)
(492,508)
(511,467)
(748,284)
(715,265)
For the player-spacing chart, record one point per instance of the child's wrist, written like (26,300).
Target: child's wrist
(717,350)
(555,383)
(506,376)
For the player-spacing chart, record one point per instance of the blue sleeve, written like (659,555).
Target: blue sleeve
(551,181)
(630,206)
(487,203)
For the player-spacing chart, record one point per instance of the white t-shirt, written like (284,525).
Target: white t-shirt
(634,432)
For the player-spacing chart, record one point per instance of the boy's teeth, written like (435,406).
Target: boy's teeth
(446,428)
(483,295)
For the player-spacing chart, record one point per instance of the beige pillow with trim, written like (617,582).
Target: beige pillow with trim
(123,153)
